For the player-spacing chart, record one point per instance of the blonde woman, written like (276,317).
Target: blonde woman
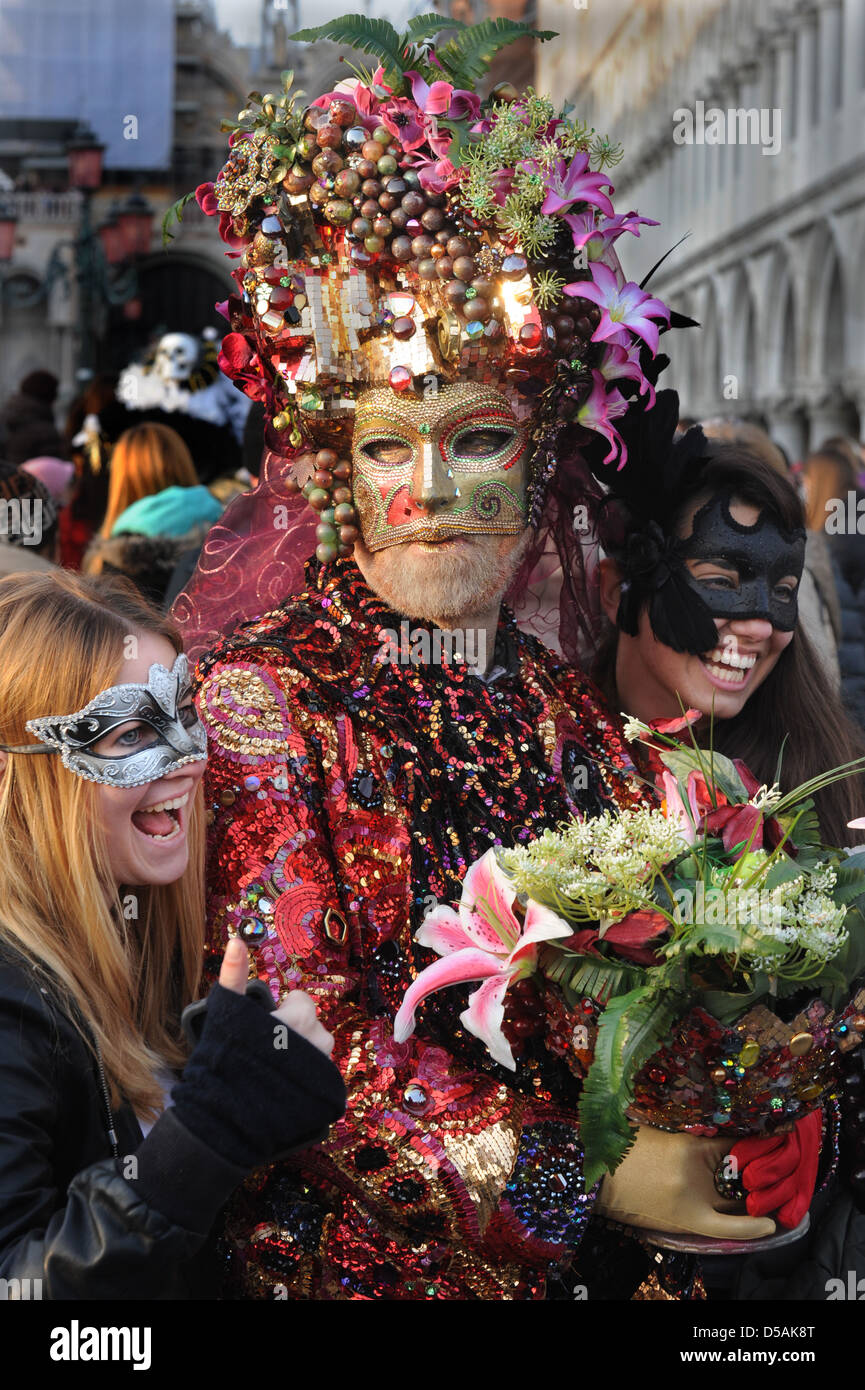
(112,1175)
(145,460)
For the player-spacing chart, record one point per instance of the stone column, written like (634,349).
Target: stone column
(806,58)
(784,97)
(830,61)
(853,80)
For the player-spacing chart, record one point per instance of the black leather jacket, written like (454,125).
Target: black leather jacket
(68,1216)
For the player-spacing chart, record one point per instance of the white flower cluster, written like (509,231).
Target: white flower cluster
(801,917)
(603,867)
(634,728)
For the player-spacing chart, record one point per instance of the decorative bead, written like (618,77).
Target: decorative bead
(400,378)
(801,1043)
(749,1053)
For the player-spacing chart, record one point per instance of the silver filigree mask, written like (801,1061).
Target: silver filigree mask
(156,704)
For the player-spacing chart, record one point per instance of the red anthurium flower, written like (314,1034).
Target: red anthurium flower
(674,726)
(205,197)
(628,938)
(239,360)
(736,825)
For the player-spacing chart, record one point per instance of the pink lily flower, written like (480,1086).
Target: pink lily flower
(573,183)
(597,235)
(598,411)
(436,175)
(620,363)
(627,307)
(366,102)
(483,940)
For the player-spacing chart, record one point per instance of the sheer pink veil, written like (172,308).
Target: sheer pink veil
(250,562)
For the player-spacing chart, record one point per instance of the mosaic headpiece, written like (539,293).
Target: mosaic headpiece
(400,232)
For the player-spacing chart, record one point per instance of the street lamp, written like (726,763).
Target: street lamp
(111,237)
(85,159)
(135,223)
(103,258)
(8,223)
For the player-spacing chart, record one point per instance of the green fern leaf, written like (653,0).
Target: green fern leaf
(631,1030)
(578,975)
(426,26)
(466,57)
(376,36)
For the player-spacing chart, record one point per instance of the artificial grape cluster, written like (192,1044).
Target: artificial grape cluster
(324,479)
(356,182)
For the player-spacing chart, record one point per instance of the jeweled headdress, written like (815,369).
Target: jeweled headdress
(400,232)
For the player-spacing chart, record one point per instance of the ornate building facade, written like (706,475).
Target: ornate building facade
(743,121)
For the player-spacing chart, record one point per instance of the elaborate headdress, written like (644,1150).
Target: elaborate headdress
(400,232)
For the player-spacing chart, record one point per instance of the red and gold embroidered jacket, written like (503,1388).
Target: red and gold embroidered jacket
(349,793)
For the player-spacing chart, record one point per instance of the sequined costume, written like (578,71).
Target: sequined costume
(350,793)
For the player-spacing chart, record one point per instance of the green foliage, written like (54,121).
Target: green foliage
(427,26)
(466,57)
(376,36)
(631,1029)
(579,975)
(172,215)
(683,761)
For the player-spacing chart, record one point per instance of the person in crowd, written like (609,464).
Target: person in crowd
(835,502)
(756,666)
(156,510)
(819,608)
(56,474)
(700,582)
(29,524)
(354,774)
(27,426)
(112,1171)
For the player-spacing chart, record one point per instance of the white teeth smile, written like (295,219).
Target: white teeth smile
(174,805)
(728,664)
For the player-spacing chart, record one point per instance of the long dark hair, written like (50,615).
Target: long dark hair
(796,698)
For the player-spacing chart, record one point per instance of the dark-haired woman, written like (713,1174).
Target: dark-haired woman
(700,584)
(702,596)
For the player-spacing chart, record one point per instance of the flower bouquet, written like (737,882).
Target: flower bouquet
(662,941)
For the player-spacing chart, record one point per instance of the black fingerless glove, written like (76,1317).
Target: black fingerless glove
(253,1088)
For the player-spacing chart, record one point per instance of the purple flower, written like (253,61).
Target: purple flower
(597,236)
(403,119)
(597,413)
(441,99)
(625,308)
(573,183)
(620,363)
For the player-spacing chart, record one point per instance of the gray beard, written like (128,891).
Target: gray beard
(449,588)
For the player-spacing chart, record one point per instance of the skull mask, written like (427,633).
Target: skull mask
(176,357)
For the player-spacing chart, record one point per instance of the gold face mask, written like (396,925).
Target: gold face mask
(450,463)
